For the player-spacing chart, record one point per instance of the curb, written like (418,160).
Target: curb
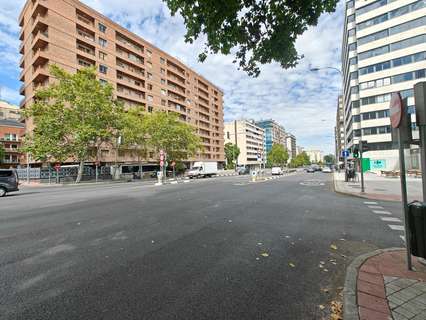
(350,306)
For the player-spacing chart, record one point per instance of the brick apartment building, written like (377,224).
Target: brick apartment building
(72,35)
(11,132)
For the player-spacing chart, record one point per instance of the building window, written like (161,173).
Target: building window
(149,86)
(102,42)
(103,82)
(103,69)
(101,27)
(163,102)
(149,75)
(351,18)
(149,53)
(163,92)
(150,98)
(149,64)
(163,81)
(150,109)
(162,60)
(102,55)
(162,71)
(352,46)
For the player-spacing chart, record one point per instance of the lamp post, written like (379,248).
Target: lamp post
(316,69)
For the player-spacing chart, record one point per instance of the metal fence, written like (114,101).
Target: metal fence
(64,174)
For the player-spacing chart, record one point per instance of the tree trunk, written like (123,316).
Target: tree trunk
(80,171)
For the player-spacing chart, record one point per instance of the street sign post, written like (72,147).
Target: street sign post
(398,115)
(420,102)
(362,148)
(57,168)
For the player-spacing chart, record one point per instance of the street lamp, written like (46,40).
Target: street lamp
(316,69)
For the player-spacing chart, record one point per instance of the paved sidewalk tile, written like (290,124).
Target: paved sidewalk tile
(387,290)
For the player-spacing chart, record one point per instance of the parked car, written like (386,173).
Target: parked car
(310,170)
(326,170)
(277,171)
(243,170)
(8,181)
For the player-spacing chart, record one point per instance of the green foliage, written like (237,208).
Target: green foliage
(2,153)
(134,131)
(180,167)
(301,159)
(166,132)
(231,154)
(71,117)
(277,156)
(258,31)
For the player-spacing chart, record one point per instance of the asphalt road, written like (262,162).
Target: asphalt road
(219,248)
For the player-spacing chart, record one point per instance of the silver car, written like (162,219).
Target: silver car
(9,181)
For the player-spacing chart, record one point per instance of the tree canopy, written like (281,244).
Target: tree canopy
(302,159)
(277,156)
(329,158)
(72,116)
(231,154)
(258,32)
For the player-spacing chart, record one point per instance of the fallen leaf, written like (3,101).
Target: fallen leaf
(291,264)
(264,254)
(333,246)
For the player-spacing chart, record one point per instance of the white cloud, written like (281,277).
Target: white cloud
(304,102)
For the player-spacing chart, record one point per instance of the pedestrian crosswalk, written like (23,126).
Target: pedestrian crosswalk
(394,223)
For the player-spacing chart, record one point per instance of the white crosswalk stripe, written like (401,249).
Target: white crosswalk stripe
(390,219)
(402,237)
(396,227)
(381,212)
(375,207)
(370,202)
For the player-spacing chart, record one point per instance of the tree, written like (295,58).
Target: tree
(134,133)
(231,154)
(277,156)
(301,159)
(71,117)
(2,153)
(329,159)
(257,31)
(166,132)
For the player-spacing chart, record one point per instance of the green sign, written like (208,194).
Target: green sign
(377,164)
(366,164)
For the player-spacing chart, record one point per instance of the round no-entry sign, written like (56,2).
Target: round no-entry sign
(57,166)
(395,109)
(161,163)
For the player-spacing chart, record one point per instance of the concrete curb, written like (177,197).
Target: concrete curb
(350,306)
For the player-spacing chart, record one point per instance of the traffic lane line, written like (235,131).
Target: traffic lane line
(375,207)
(390,219)
(396,227)
(382,212)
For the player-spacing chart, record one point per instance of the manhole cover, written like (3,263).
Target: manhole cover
(312,183)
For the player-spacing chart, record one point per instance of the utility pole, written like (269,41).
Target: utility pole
(361,166)
(236,144)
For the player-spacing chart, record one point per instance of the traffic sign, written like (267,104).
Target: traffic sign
(345,153)
(97,163)
(395,108)
(161,163)
(365,146)
(356,153)
(161,157)
(57,166)
(161,152)
(173,163)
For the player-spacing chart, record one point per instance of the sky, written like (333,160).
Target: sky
(304,102)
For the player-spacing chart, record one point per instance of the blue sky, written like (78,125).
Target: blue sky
(303,102)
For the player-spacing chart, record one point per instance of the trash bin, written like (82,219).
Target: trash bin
(417,224)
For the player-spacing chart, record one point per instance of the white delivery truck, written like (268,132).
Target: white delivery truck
(203,169)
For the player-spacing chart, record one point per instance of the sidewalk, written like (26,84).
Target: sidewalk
(379,188)
(379,286)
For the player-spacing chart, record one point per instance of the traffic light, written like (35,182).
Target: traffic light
(356,152)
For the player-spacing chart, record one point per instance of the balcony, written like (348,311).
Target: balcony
(22,35)
(40,57)
(129,56)
(176,68)
(85,62)
(22,76)
(40,40)
(22,48)
(130,69)
(85,48)
(175,76)
(85,34)
(22,90)
(128,92)
(85,18)
(22,103)
(39,10)
(175,96)
(22,62)
(132,82)
(203,92)
(130,44)
(41,73)
(175,87)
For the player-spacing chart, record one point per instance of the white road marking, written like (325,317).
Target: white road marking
(402,237)
(396,227)
(375,207)
(370,202)
(381,212)
(390,219)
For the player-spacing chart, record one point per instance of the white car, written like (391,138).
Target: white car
(277,171)
(326,170)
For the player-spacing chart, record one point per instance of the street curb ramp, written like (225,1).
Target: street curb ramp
(350,305)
